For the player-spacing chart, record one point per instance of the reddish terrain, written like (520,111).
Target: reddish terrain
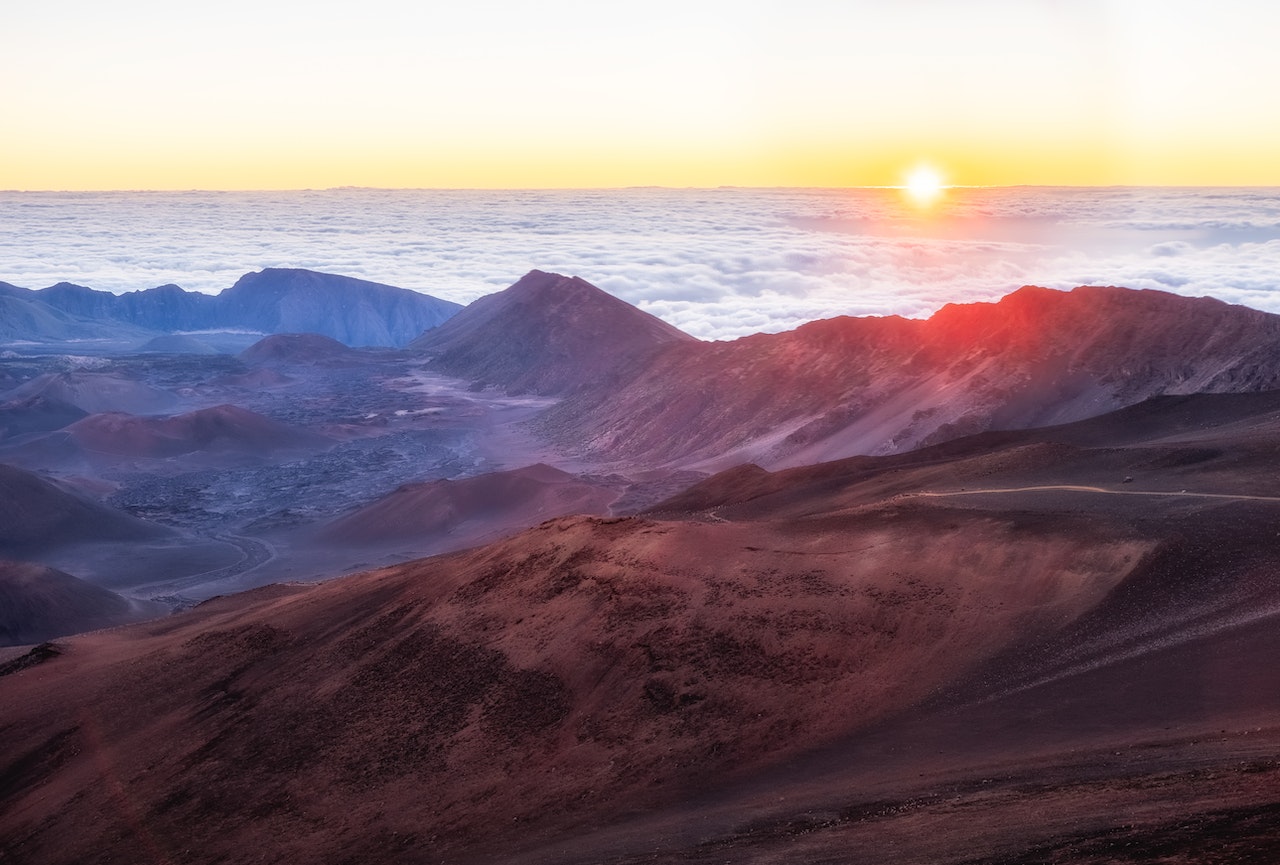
(446,514)
(847,386)
(1053,646)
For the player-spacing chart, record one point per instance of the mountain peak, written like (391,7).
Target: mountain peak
(548,334)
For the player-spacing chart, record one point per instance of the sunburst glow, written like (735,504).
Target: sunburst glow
(924,185)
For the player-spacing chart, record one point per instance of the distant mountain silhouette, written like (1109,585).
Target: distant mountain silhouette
(276,300)
(547,334)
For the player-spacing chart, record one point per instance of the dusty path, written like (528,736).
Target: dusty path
(1083,489)
(254,553)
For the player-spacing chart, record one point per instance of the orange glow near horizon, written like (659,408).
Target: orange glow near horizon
(484,95)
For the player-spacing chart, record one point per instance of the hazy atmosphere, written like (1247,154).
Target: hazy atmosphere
(716,263)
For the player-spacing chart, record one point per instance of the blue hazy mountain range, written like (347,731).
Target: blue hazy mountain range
(275,300)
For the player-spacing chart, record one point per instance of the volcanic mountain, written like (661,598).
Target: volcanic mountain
(1056,645)
(547,334)
(39,603)
(353,311)
(274,300)
(846,386)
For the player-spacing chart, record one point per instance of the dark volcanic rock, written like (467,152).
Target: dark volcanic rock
(547,334)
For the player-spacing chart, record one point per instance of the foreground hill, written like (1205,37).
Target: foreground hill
(846,386)
(997,650)
(547,334)
(275,300)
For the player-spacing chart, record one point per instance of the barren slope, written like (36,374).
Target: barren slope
(883,385)
(547,334)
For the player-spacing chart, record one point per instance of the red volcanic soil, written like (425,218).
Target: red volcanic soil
(39,603)
(221,428)
(845,386)
(295,348)
(987,655)
(448,514)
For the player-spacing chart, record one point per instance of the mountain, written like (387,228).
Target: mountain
(846,386)
(39,603)
(274,300)
(166,308)
(39,514)
(25,319)
(353,311)
(1024,646)
(547,334)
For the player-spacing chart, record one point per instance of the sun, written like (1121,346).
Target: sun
(924,185)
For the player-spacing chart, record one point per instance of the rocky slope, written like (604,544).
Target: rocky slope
(547,334)
(846,386)
(995,650)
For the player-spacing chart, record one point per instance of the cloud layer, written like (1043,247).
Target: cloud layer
(716,263)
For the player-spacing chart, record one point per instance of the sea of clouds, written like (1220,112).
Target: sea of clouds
(717,263)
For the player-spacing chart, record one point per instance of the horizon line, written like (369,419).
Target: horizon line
(631,188)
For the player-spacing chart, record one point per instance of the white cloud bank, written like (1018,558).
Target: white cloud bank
(716,263)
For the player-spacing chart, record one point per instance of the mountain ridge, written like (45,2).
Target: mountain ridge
(354,311)
(874,385)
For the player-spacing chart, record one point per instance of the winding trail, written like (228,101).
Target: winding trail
(1084,489)
(253,554)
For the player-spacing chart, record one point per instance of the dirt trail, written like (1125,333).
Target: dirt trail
(1084,489)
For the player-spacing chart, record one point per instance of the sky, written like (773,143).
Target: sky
(264,94)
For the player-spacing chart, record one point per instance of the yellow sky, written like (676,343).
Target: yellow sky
(245,94)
